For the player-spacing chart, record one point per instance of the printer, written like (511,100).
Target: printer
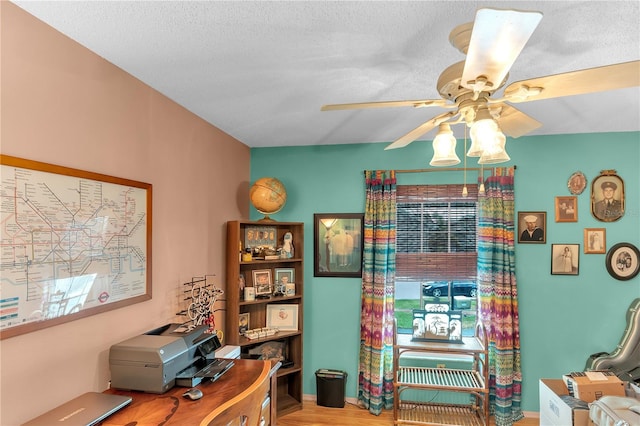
(159,359)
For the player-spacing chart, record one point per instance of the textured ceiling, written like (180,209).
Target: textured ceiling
(261,70)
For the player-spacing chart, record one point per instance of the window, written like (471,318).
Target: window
(436,252)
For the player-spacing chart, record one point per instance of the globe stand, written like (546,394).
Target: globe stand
(266,218)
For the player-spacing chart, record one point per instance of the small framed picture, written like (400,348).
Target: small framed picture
(567,209)
(623,261)
(262,282)
(565,259)
(282,317)
(285,275)
(595,240)
(532,227)
(243,322)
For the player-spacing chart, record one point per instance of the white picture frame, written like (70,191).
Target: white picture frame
(283,317)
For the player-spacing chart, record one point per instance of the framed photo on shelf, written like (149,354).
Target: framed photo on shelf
(623,261)
(567,209)
(282,317)
(262,281)
(243,322)
(285,275)
(260,236)
(532,227)
(338,244)
(565,259)
(595,240)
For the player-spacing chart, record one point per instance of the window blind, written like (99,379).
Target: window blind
(436,233)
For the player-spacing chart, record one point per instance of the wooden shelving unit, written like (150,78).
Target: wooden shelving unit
(288,396)
(473,381)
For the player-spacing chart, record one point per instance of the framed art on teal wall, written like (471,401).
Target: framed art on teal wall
(623,261)
(337,244)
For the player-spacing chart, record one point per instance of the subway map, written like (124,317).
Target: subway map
(68,244)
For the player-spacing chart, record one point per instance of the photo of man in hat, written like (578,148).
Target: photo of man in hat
(609,208)
(533,232)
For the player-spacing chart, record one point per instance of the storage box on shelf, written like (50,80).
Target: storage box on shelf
(288,396)
(413,387)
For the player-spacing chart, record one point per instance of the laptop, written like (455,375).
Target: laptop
(85,410)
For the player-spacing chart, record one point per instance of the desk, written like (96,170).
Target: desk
(171,408)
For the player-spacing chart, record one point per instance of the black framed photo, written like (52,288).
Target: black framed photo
(622,261)
(532,227)
(338,244)
(607,196)
(565,259)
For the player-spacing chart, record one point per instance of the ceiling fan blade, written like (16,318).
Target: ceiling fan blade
(420,130)
(389,104)
(591,80)
(516,123)
(497,39)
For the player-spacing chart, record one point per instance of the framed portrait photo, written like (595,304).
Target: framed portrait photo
(595,240)
(243,322)
(285,275)
(622,261)
(565,259)
(532,227)
(607,196)
(567,209)
(338,244)
(576,183)
(262,282)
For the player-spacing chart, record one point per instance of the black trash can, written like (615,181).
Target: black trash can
(330,387)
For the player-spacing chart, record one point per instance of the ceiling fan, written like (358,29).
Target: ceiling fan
(492,43)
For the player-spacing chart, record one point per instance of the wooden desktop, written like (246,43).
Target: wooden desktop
(171,408)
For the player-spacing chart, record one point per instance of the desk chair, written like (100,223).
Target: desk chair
(246,408)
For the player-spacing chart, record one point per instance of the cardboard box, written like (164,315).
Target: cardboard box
(591,385)
(554,411)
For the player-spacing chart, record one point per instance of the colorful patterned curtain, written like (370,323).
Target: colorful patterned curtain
(375,375)
(499,295)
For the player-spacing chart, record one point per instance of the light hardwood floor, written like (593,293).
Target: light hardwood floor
(351,415)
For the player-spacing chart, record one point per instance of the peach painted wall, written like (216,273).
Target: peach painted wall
(62,104)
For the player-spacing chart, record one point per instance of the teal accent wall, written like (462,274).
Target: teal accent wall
(563,319)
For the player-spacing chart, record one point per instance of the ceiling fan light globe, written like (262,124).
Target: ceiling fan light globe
(495,152)
(444,148)
(482,134)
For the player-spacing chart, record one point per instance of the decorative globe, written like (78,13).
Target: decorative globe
(268,196)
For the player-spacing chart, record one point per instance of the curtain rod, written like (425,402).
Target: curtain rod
(447,169)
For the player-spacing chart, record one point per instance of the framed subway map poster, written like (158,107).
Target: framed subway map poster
(72,244)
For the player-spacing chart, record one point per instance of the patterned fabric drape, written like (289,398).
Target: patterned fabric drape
(375,371)
(499,295)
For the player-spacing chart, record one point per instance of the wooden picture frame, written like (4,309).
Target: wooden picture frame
(532,227)
(262,282)
(283,317)
(565,259)
(95,228)
(607,196)
(595,240)
(567,208)
(338,240)
(623,261)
